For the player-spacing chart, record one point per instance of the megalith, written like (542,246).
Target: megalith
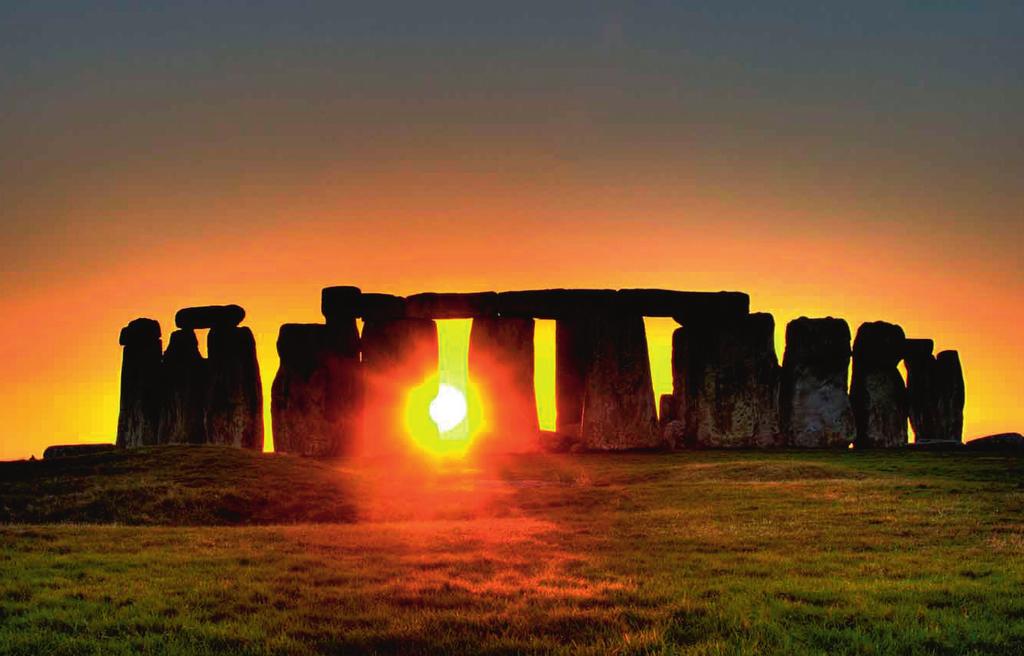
(340,304)
(138,418)
(234,398)
(316,396)
(183,401)
(501,364)
(618,397)
(730,381)
(949,393)
(878,394)
(814,406)
(398,354)
(921,404)
(573,353)
(209,316)
(935,393)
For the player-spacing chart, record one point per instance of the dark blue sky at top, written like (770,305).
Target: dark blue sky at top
(831,84)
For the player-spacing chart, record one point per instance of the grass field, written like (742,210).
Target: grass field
(692,553)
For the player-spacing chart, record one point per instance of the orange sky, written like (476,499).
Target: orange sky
(861,160)
(410,232)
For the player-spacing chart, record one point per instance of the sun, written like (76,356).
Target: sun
(448,409)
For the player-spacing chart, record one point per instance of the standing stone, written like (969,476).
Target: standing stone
(183,405)
(920,364)
(815,408)
(234,400)
(316,397)
(574,354)
(730,379)
(671,427)
(618,400)
(398,354)
(949,393)
(878,394)
(138,418)
(501,363)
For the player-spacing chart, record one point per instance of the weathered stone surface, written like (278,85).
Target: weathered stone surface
(667,408)
(316,397)
(340,303)
(398,354)
(234,400)
(948,388)
(557,303)
(878,394)
(1001,441)
(814,406)
(72,450)
(730,379)
(209,316)
(382,306)
(501,364)
(618,401)
(451,305)
(138,418)
(574,354)
(685,307)
(183,396)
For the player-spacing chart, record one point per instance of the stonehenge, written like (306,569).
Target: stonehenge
(138,419)
(814,407)
(501,359)
(342,391)
(878,394)
(730,378)
(316,397)
(935,393)
(179,397)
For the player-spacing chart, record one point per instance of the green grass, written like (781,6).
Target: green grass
(692,553)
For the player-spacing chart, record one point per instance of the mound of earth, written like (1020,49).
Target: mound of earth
(174,485)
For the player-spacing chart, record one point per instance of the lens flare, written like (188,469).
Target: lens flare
(448,409)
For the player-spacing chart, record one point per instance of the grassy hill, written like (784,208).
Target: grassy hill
(694,553)
(173,485)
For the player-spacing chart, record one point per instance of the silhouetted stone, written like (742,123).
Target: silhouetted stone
(183,400)
(999,442)
(574,354)
(921,400)
(557,303)
(316,397)
(138,418)
(398,354)
(73,450)
(814,406)
(948,387)
(730,376)
(340,303)
(209,316)
(671,427)
(234,401)
(501,364)
(618,402)
(878,394)
(685,307)
(451,306)
(381,306)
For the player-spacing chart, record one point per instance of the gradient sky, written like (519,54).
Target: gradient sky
(862,160)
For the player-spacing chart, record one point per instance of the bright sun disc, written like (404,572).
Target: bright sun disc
(448,408)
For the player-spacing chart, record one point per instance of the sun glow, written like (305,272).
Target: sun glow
(444,413)
(448,409)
